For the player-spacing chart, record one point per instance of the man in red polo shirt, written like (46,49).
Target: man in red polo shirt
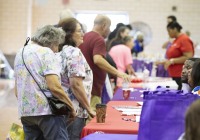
(94,50)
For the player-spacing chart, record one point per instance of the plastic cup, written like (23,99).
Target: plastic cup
(126,94)
(100,113)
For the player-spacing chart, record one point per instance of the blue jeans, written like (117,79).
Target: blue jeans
(48,127)
(75,128)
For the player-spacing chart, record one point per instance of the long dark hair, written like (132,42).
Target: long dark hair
(118,38)
(69,26)
(192,122)
(195,74)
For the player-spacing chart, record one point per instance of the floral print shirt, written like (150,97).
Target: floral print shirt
(74,64)
(40,61)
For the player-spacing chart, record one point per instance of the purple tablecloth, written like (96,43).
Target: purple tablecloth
(96,136)
(134,96)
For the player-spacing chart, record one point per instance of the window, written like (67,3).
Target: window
(87,18)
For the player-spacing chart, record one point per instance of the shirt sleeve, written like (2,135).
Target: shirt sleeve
(127,57)
(99,47)
(50,63)
(187,45)
(76,65)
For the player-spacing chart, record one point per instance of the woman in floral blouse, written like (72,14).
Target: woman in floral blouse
(76,75)
(36,116)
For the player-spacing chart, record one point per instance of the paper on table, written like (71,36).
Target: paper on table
(131,111)
(137,118)
(140,103)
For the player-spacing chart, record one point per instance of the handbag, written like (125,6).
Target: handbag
(57,106)
(163,114)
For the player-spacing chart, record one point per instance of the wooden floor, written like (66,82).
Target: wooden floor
(8,107)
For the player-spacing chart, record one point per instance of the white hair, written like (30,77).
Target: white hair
(48,36)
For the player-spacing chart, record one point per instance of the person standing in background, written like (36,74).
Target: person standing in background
(180,50)
(138,44)
(122,57)
(121,33)
(94,50)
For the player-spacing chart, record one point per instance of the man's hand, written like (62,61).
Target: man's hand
(124,76)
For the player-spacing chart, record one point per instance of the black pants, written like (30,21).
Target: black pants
(178,81)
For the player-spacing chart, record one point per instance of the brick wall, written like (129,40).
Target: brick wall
(153,12)
(13,24)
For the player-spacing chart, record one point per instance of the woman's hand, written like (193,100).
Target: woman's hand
(92,113)
(72,115)
(167,63)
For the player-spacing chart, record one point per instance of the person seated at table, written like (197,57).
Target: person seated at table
(192,122)
(122,57)
(76,75)
(194,77)
(180,50)
(121,33)
(184,75)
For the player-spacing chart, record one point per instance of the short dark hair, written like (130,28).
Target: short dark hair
(173,18)
(195,74)
(192,122)
(129,27)
(69,26)
(173,25)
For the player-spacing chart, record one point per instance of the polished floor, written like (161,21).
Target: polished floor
(8,107)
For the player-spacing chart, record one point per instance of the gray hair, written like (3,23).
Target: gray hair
(49,36)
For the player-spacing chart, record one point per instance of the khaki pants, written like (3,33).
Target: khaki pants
(94,100)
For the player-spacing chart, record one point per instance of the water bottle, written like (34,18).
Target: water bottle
(153,74)
(145,77)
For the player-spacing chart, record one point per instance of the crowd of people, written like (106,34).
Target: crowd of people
(72,67)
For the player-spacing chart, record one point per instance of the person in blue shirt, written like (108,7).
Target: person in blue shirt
(138,44)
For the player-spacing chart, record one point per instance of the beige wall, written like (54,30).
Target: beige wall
(153,12)
(13,24)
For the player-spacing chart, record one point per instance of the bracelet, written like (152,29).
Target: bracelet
(171,61)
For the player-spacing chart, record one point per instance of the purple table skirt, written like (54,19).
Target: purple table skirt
(161,72)
(134,96)
(140,65)
(110,137)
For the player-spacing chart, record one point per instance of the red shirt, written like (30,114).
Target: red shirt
(94,44)
(180,45)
